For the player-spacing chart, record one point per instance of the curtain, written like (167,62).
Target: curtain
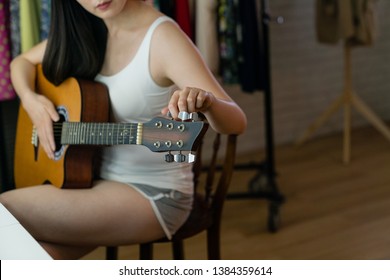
(29,23)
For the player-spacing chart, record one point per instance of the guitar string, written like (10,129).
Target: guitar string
(100,128)
(104,129)
(132,127)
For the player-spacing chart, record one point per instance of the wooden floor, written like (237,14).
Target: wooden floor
(332,211)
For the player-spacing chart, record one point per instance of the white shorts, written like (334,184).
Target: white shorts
(171,207)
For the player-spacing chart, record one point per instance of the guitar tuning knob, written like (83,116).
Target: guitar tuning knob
(179,158)
(194,117)
(183,116)
(169,115)
(169,157)
(191,158)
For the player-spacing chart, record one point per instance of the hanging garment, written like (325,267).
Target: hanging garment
(15,27)
(6,89)
(206,35)
(251,66)
(45,19)
(183,18)
(29,23)
(230,40)
(353,21)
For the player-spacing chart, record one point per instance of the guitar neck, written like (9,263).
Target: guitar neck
(79,133)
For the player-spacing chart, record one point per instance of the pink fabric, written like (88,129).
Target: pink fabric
(6,89)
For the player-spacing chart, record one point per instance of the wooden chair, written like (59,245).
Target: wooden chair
(208,202)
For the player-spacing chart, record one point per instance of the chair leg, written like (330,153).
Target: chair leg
(111,253)
(213,243)
(146,251)
(178,250)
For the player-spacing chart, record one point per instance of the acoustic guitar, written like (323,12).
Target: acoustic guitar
(84,125)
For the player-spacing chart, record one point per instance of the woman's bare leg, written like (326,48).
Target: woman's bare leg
(70,223)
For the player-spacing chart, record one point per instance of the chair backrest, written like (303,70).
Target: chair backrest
(219,172)
(213,170)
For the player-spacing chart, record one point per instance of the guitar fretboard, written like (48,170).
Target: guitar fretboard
(78,133)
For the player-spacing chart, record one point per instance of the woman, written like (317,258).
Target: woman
(139,54)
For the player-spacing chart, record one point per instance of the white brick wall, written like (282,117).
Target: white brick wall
(308,76)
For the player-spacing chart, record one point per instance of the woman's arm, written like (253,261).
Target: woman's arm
(40,109)
(175,56)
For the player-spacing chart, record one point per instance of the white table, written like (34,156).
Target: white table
(15,242)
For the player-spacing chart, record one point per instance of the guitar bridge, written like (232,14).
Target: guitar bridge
(34,142)
(34,137)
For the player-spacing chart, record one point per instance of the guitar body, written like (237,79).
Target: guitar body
(77,101)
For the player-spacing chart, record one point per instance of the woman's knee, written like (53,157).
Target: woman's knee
(4,198)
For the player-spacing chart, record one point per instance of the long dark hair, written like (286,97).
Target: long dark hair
(76,43)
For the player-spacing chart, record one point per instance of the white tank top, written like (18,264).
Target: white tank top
(135,97)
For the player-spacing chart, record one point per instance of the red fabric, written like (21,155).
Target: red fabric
(6,89)
(183,17)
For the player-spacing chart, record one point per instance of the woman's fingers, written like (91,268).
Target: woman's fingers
(190,100)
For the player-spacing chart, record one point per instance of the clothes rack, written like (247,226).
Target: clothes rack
(263,184)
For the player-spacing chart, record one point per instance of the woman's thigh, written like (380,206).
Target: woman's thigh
(109,213)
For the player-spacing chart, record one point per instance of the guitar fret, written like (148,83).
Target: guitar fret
(130,135)
(107,132)
(90,133)
(82,135)
(129,132)
(70,133)
(123,134)
(117,136)
(112,133)
(86,134)
(78,133)
(104,134)
(99,134)
(74,133)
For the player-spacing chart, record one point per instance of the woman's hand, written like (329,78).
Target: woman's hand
(42,114)
(189,100)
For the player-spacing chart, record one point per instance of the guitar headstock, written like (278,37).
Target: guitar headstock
(167,135)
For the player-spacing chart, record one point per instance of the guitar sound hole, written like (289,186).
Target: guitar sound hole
(57,128)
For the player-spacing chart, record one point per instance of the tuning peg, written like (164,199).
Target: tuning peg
(184,116)
(169,115)
(169,157)
(179,157)
(194,117)
(191,158)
